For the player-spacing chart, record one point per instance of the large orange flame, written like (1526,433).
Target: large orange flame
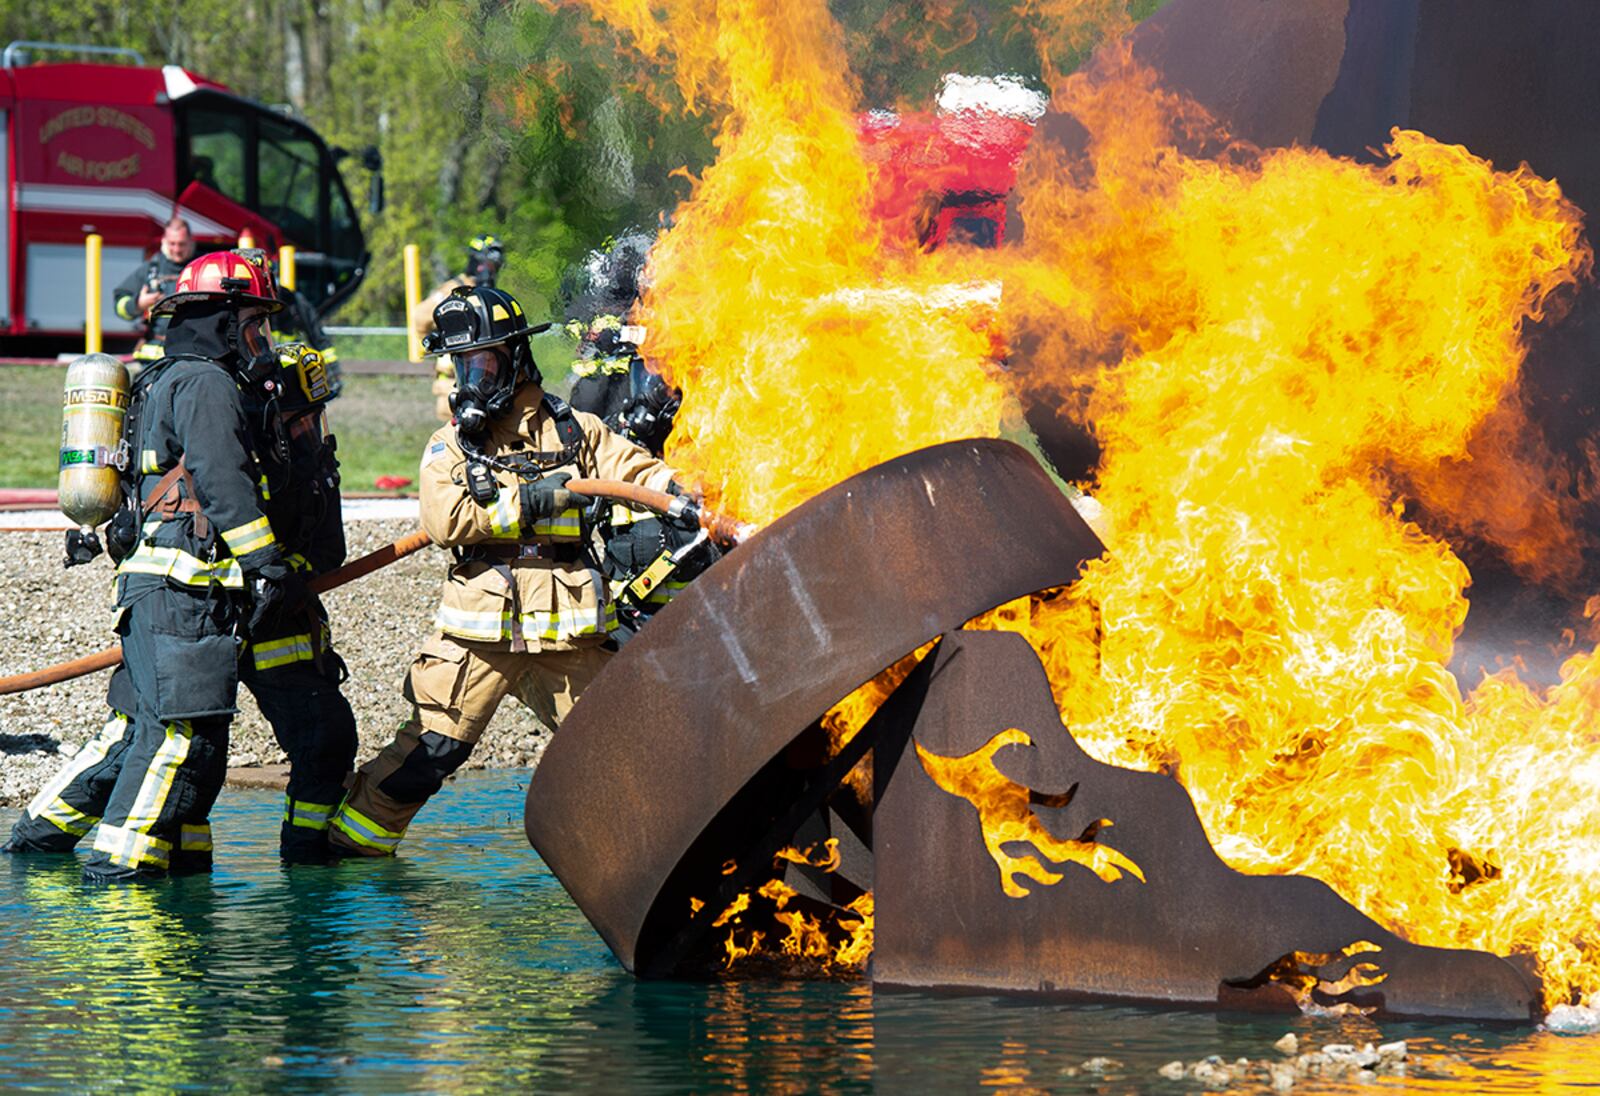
(1282,352)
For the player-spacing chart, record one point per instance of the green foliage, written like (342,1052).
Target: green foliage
(509,117)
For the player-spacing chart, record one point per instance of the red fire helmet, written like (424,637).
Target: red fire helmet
(239,278)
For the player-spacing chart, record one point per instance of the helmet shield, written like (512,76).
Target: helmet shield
(485,371)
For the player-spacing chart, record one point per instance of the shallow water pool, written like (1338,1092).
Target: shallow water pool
(462,966)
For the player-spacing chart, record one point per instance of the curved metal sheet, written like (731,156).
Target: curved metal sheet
(1184,929)
(677,747)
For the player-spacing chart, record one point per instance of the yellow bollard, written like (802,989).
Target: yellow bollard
(286,267)
(91,294)
(413,298)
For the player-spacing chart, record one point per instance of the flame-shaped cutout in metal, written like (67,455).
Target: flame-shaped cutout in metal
(1005,813)
(1195,931)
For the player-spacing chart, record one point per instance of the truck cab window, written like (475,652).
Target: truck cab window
(288,179)
(216,152)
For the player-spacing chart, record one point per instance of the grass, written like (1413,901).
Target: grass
(381,422)
(30,425)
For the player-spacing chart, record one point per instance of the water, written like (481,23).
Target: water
(462,966)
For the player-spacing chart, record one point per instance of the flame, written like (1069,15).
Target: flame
(1294,364)
(789,384)
(1006,816)
(830,942)
(828,860)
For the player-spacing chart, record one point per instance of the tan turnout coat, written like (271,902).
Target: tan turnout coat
(561,605)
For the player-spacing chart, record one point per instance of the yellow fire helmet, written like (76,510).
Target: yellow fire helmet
(305,374)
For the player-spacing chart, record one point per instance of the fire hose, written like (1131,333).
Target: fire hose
(718,527)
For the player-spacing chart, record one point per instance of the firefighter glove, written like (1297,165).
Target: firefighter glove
(277,592)
(543,499)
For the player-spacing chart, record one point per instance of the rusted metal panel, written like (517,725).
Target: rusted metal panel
(672,765)
(1193,932)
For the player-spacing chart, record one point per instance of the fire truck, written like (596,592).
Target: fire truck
(116,148)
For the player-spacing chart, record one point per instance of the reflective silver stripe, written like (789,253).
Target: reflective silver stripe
(157,784)
(311,816)
(567,525)
(176,564)
(49,805)
(249,537)
(281,652)
(363,830)
(554,627)
(505,516)
(195,838)
(129,848)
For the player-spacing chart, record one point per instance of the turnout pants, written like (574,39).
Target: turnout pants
(295,683)
(295,679)
(455,688)
(179,651)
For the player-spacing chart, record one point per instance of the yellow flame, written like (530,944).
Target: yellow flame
(826,860)
(1006,816)
(1286,356)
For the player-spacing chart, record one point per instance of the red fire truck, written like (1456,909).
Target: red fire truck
(117,148)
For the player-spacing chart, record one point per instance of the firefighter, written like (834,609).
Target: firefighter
(648,561)
(150,282)
(600,291)
(525,610)
(201,567)
(289,665)
(485,256)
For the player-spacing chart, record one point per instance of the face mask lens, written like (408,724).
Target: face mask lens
(254,343)
(480,370)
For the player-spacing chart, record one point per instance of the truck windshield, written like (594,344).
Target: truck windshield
(217,143)
(279,168)
(287,179)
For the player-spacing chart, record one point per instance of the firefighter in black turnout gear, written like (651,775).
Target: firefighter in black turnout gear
(150,282)
(647,560)
(199,568)
(289,665)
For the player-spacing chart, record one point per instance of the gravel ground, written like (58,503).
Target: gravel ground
(59,614)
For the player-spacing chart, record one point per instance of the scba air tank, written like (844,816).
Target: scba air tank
(92,452)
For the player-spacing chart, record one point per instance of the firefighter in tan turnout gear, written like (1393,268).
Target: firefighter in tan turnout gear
(525,608)
(485,256)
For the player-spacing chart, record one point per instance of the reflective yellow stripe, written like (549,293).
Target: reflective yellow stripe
(666,592)
(329,355)
(125,307)
(195,838)
(49,805)
(622,514)
(130,848)
(250,537)
(363,830)
(158,778)
(149,462)
(281,652)
(65,817)
(149,352)
(505,516)
(310,816)
(567,525)
(180,566)
(552,627)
